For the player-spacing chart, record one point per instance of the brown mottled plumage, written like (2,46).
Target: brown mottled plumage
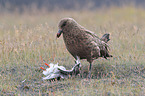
(82,42)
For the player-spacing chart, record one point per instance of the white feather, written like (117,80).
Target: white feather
(52,71)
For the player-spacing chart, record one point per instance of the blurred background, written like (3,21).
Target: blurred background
(21,6)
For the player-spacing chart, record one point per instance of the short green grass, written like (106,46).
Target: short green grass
(26,38)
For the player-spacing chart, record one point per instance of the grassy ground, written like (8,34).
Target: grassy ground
(25,38)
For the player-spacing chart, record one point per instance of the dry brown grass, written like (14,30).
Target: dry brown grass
(24,38)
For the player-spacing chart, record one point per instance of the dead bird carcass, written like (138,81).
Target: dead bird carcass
(56,72)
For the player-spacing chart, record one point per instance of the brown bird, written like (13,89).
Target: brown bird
(82,43)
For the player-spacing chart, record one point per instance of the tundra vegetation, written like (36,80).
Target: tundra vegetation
(26,39)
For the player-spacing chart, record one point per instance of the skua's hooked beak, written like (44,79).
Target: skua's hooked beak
(59,33)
